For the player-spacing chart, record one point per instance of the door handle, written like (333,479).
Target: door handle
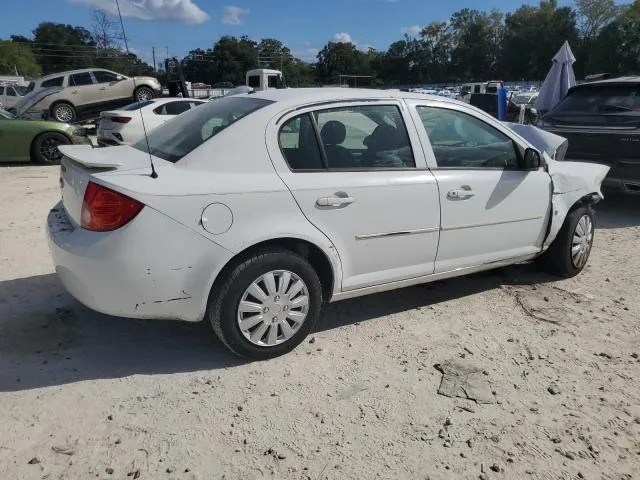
(463,193)
(335,201)
(75,92)
(103,88)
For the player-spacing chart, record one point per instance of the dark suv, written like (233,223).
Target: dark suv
(601,120)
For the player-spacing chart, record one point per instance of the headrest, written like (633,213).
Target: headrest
(333,133)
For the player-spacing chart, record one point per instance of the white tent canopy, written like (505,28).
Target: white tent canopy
(559,80)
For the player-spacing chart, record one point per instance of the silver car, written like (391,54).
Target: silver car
(91,90)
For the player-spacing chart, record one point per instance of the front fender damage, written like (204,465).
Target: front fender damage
(573,182)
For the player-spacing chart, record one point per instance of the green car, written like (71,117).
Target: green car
(26,137)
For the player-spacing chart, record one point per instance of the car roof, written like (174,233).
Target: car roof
(70,72)
(625,81)
(295,97)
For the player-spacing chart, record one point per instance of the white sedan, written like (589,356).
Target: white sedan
(124,126)
(253,211)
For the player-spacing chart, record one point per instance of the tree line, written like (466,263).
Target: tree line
(472,45)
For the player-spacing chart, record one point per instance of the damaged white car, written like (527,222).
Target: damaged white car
(253,211)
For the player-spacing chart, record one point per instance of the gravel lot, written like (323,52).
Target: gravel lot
(85,396)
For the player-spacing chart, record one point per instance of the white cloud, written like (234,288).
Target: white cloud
(414,30)
(343,37)
(232,15)
(184,11)
(366,47)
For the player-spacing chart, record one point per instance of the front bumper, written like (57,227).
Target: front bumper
(151,268)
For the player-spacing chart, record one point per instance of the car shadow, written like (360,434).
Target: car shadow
(618,210)
(49,339)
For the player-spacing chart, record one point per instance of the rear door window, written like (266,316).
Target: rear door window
(371,136)
(80,79)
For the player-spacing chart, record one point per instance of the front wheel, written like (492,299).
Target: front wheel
(44,149)
(568,254)
(266,305)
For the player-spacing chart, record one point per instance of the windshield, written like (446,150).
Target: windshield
(188,131)
(597,99)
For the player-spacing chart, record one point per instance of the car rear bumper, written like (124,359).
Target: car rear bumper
(151,268)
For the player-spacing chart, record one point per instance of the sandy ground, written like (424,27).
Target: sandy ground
(85,396)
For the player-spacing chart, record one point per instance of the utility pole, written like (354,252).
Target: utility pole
(153,49)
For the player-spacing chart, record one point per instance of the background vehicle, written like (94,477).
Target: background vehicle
(524,98)
(24,139)
(91,90)
(264,79)
(10,95)
(272,203)
(601,120)
(124,126)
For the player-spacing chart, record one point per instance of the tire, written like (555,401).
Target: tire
(44,148)
(63,112)
(257,341)
(142,94)
(569,252)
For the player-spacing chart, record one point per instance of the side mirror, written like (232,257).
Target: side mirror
(532,160)
(119,78)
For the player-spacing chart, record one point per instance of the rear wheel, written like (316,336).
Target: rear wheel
(144,94)
(266,305)
(44,148)
(568,254)
(63,112)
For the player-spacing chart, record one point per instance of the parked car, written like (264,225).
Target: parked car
(601,120)
(269,205)
(524,98)
(10,95)
(91,90)
(25,137)
(124,126)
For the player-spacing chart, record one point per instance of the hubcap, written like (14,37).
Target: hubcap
(144,95)
(273,308)
(64,113)
(582,241)
(49,149)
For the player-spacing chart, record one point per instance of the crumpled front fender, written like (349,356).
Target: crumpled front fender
(572,181)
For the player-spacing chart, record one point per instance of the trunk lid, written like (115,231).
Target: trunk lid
(80,163)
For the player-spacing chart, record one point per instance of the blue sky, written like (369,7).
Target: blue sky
(304,25)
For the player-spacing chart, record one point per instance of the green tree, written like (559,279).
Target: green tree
(339,58)
(532,36)
(17,57)
(60,47)
(616,50)
(232,58)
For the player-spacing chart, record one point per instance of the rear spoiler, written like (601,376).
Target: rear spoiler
(89,157)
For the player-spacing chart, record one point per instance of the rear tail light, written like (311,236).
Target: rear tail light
(104,210)
(120,119)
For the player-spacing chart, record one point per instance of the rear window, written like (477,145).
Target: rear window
(188,131)
(611,98)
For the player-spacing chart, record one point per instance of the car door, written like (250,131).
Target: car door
(356,175)
(492,208)
(107,83)
(83,91)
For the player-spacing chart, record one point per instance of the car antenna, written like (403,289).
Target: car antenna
(144,127)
